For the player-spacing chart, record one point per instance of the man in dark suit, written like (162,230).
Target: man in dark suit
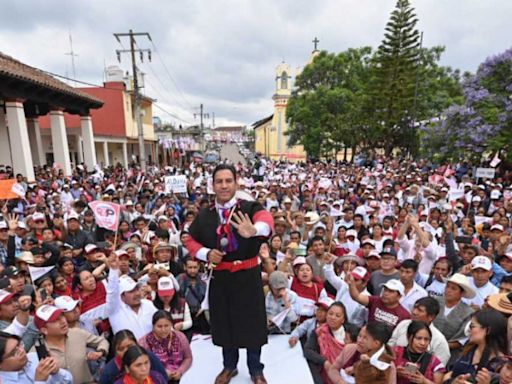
(228,235)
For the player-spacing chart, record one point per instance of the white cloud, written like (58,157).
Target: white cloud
(223,53)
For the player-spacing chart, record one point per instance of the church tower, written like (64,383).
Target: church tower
(281,97)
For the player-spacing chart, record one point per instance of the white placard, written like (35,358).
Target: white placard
(456,194)
(487,173)
(176,184)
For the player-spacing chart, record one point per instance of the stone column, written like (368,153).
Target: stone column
(106,160)
(18,138)
(36,143)
(79,152)
(5,149)
(88,142)
(60,141)
(125,155)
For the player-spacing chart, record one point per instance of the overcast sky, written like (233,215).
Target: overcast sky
(223,53)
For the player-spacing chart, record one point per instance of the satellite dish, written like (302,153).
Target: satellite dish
(243,195)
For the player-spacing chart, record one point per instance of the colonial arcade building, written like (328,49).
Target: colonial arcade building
(26,94)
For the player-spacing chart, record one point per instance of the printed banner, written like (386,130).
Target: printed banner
(107,214)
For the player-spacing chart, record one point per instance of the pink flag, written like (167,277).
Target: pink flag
(495,161)
(107,214)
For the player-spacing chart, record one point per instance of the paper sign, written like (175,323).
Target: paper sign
(106,214)
(456,194)
(452,183)
(487,173)
(176,184)
(6,191)
(209,186)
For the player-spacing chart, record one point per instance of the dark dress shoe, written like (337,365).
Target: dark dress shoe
(259,379)
(225,376)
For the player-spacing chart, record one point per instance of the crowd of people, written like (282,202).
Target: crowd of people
(389,272)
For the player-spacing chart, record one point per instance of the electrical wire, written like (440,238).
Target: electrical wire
(168,72)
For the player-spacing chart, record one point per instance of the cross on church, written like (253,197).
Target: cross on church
(316,41)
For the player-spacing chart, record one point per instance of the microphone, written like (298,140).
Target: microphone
(223,246)
(224,242)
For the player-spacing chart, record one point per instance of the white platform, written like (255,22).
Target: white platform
(283,365)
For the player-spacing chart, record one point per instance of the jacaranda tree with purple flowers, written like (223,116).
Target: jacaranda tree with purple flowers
(483,123)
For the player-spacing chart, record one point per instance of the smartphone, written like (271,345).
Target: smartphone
(463,239)
(43,293)
(41,350)
(411,367)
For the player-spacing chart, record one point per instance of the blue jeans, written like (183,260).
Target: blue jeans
(230,356)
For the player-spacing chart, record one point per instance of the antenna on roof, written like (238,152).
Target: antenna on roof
(73,55)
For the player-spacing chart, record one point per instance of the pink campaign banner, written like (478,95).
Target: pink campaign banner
(107,214)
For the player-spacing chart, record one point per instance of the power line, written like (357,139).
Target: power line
(165,88)
(113,89)
(170,75)
(172,114)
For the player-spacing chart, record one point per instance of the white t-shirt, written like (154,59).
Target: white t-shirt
(481,292)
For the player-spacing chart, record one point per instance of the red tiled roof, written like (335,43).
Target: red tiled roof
(11,67)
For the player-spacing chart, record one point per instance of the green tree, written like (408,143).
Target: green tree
(325,112)
(396,76)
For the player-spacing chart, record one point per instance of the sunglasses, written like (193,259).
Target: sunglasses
(39,221)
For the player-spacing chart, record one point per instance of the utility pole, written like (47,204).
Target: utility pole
(201,126)
(213,120)
(136,93)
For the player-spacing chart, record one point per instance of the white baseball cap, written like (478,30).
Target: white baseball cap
(481,262)
(299,260)
(361,273)
(497,227)
(324,302)
(90,247)
(394,285)
(66,303)
(38,216)
(351,232)
(126,284)
(495,194)
(72,216)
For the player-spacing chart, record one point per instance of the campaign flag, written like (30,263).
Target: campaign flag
(6,191)
(106,213)
(435,179)
(37,272)
(495,161)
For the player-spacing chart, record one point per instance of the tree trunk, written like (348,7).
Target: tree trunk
(345,153)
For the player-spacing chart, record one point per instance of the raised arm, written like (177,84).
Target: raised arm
(354,293)
(113,295)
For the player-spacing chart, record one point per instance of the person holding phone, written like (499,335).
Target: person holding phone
(16,366)
(414,364)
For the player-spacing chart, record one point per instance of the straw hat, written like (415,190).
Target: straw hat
(501,302)
(463,282)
